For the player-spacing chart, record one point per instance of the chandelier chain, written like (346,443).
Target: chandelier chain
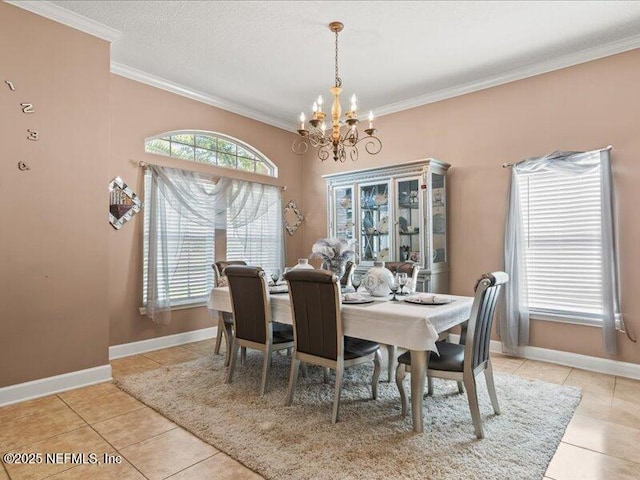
(338,79)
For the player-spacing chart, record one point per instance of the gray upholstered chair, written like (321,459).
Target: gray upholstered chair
(225,319)
(412,270)
(252,318)
(464,362)
(319,339)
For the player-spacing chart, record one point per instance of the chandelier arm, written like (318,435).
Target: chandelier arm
(323,153)
(372,144)
(353,153)
(300,146)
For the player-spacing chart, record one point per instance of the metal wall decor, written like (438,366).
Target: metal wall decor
(293,218)
(123,203)
(31,134)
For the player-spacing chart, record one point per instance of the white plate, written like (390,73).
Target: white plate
(357,302)
(442,301)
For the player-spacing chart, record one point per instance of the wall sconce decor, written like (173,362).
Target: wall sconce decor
(123,203)
(292,217)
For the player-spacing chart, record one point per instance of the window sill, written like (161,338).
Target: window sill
(573,319)
(179,306)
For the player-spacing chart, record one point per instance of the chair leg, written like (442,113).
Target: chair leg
(216,349)
(232,364)
(429,386)
(401,372)
(391,351)
(243,355)
(460,387)
(305,370)
(293,379)
(472,395)
(265,369)
(336,397)
(228,340)
(377,366)
(326,372)
(491,387)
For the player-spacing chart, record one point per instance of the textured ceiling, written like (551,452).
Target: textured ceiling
(275,57)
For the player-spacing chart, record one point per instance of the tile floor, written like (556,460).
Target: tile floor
(601,442)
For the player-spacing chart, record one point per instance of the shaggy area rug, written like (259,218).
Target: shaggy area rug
(371,440)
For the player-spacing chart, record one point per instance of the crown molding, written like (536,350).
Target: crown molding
(154,81)
(69,18)
(583,56)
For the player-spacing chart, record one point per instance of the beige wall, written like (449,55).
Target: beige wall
(54,288)
(139,111)
(579,108)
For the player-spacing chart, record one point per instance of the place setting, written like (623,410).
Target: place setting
(276,285)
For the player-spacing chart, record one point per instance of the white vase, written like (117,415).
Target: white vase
(377,279)
(303,264)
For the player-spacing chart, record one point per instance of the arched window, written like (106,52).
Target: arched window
(211,148)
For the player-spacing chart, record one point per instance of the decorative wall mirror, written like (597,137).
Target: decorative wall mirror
(292,217)
(123,203)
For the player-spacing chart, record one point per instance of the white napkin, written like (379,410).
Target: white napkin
(353,297)
(426,298)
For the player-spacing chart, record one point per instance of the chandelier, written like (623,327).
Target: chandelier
(342,138)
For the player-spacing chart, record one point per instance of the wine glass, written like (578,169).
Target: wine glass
(356,281)
(394,285)
(275,276)
(402,280)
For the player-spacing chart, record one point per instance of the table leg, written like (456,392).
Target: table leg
(418,378)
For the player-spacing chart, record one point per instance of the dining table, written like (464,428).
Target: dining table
(414,327)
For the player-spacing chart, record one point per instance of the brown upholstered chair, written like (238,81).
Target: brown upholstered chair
(319,339)
(464,362)
(225,319)
(252,318)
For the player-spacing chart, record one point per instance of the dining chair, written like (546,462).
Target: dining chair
(412,270)
(350,267)
(318,335)
(252,323)
(225,319)
(464,362)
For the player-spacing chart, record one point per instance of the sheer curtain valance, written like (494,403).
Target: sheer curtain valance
(525,203)
(216,203)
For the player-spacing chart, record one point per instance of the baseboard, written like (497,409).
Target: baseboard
(56,384)
(569,359)
(134,348)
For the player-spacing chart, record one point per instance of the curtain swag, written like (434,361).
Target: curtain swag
(213,202)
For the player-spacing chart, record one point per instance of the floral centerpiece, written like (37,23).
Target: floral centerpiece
(335,253)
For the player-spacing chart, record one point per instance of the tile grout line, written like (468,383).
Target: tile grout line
(105,440)
(601,453)
(193,465)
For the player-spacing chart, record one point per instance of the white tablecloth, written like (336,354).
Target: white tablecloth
(414,327)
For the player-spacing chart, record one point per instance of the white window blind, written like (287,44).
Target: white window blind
(190,271)
(260,243)
(563,243)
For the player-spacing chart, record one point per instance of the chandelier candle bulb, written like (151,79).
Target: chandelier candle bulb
(302,121)
(319,101)
(353,103)
(370,119)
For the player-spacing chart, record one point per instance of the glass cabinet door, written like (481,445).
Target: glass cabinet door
(343,201)
(439,221)
(374,222)
(408,221)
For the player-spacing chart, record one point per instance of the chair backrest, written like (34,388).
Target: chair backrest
(220,265)
(411,269)
(478,335)
(315,308)
(350,267)
(249,302)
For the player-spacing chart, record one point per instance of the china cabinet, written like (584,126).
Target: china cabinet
(395,214)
